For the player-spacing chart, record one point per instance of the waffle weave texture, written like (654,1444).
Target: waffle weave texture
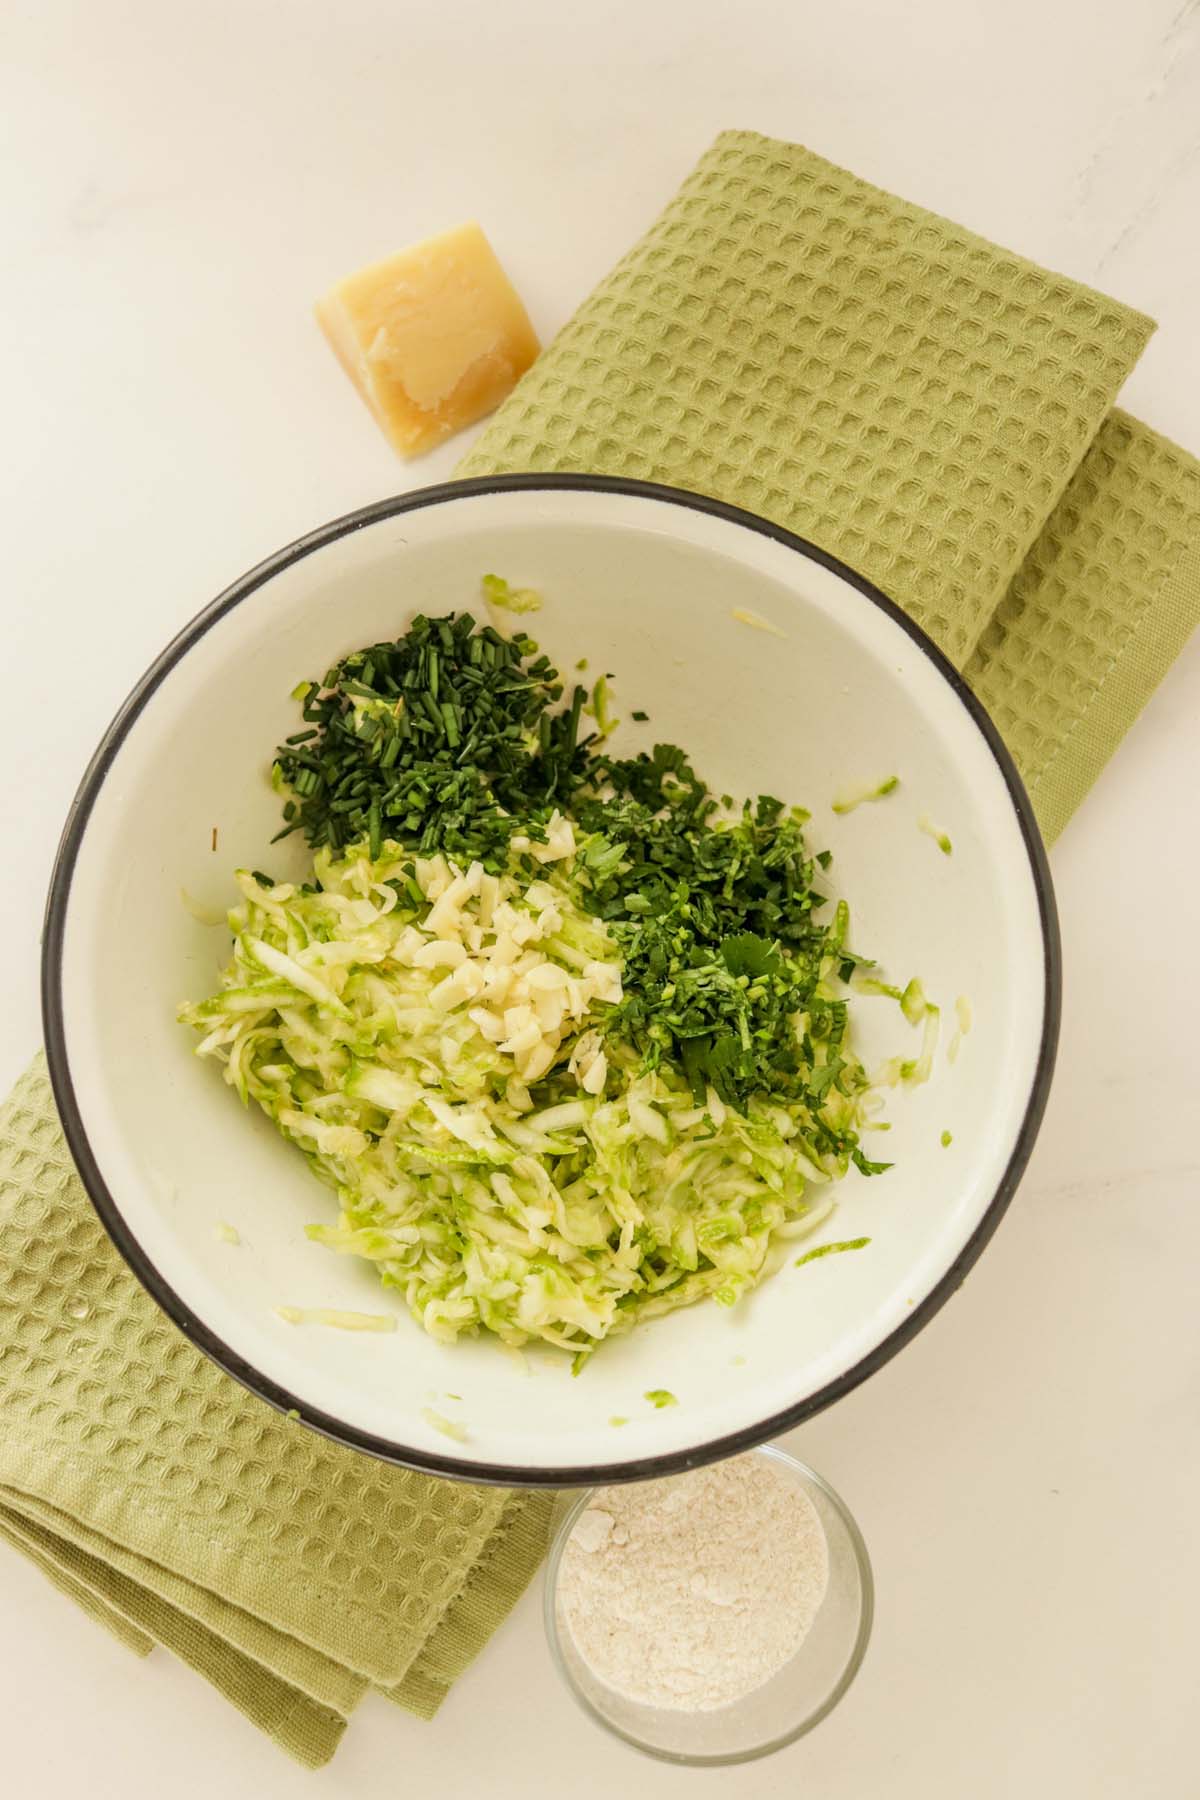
(178,1509)
(930,408)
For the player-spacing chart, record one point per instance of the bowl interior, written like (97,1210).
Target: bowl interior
(835,694)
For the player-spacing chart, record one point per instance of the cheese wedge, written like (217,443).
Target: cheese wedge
(433,338)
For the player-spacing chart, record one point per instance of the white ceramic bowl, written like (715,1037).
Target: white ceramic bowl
(645,582)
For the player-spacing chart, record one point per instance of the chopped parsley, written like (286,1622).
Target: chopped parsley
(715,922)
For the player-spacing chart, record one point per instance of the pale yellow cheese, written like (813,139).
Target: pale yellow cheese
(433,337)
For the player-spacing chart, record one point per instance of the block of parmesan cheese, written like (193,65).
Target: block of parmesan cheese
(433,337)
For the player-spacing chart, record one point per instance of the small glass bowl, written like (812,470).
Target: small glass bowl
(795,1699)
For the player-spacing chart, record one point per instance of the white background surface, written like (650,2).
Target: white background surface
(177,182)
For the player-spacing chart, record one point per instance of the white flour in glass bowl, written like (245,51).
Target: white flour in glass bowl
(691,1592)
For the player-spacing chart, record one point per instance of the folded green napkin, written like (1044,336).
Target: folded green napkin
(932,409)
(178,1509)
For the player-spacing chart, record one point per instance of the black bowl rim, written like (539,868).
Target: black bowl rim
(587,1475)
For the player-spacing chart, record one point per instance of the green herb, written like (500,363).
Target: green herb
(660,1397)
(438,740)
(947,1140)
(453,736)
(831,1250)
(618,1419)
(864,1166)
(639,717)
(715,922)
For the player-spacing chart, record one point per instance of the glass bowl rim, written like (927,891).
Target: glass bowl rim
(862,1638)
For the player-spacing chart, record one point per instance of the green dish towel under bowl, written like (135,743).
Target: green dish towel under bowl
(930,408)
(926,406)
(178,1509)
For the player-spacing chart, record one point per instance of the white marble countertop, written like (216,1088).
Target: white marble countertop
(178,181)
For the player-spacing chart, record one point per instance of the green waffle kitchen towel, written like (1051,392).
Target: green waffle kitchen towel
(179,1510)
(932,409)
